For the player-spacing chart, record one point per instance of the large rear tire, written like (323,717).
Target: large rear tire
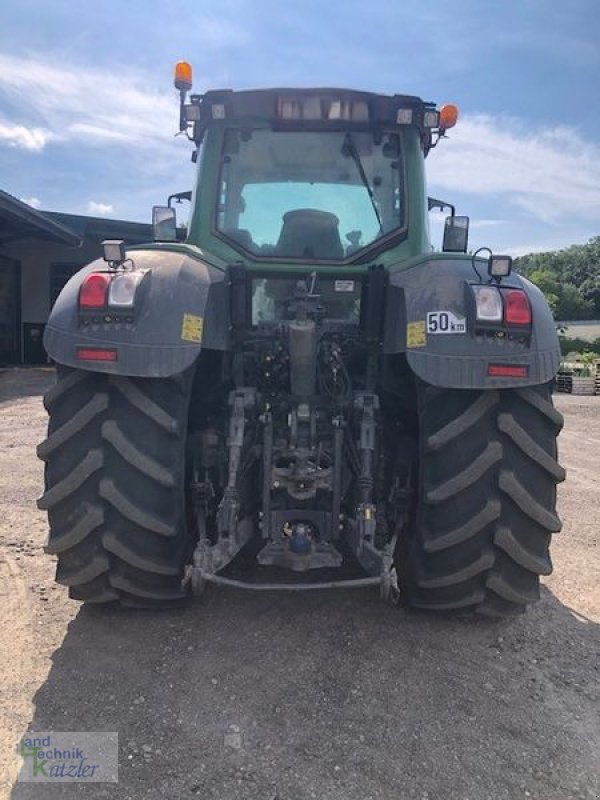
(115,483)
(487,500)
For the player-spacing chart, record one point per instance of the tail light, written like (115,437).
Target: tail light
(93,291)
(499,306)
(100,290)
(517,310)
(488,303)
(121,293)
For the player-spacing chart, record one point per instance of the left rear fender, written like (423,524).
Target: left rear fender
(181,307)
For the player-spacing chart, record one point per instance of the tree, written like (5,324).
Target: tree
(590,289)
(569,278)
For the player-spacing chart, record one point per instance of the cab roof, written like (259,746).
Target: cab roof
(318,108)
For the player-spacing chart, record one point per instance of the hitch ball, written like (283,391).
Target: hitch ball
(300,536)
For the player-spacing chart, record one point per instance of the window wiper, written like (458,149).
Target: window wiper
(349,149)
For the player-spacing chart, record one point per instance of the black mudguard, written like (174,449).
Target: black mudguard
(181,307)
(461,360)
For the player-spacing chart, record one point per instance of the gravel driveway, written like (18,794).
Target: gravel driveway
(333,696)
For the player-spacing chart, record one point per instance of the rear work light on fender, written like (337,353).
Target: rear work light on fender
(93,290)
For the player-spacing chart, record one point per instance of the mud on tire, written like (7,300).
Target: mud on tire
(487,504)
(115,468)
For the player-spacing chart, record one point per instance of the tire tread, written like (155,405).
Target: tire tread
(487,507)
(115,486)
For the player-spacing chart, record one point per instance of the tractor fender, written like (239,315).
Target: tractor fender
(180,307)
(460,358)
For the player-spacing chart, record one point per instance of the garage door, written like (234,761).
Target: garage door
(9,311)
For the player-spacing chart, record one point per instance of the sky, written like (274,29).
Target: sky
(88,112)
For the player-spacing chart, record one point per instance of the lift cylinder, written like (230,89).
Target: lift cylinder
(303,357)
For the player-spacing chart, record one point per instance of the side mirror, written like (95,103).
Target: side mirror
(164,224)
(456,235)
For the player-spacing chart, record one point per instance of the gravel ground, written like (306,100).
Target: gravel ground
(328,696)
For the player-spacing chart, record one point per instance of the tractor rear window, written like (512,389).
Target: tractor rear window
(273,299)
(309,195)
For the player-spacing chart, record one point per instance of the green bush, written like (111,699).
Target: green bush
(579,345)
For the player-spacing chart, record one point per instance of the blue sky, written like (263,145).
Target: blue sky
(88,111)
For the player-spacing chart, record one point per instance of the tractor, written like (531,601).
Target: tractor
(296,391)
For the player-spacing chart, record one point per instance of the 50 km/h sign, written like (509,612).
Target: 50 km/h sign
(445,322)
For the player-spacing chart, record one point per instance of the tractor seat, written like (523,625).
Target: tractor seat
(309,233)
(241,236)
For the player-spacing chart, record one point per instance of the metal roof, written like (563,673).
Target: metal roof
(103,228)
(20,221)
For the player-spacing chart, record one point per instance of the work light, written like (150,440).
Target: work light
(113,251)
(499,266)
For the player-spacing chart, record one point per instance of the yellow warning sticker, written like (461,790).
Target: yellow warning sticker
(191,328)
(415,334)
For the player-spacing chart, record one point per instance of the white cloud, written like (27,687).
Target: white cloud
(99,209)
(25,138)
(439,218)
(85,105)
(34,202)
(95,133)
(486,223)
(552,174)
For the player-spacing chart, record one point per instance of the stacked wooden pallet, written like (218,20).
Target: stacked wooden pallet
(564,380)
(583,385)
(597,376)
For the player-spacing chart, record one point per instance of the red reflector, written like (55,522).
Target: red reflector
(507,371)
(517,310)
(96,354)
(93,290)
